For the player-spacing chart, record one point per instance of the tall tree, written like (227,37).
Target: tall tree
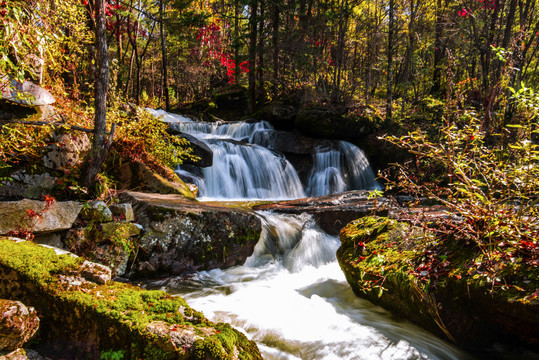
(390,43)
(164,54)
(99,146)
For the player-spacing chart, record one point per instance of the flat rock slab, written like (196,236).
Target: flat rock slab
(184,236)
(36,216)
(333,212)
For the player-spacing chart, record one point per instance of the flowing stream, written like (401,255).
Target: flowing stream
(291,296)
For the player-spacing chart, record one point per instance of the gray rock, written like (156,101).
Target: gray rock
(96,211)
(68,151)
(15,216)
(200,149)
(25,93)
(23,185)
(184,236)
(18,324)
(123,210)
(51,239)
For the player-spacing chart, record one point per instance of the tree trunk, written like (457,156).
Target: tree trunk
(438,50)
(99,148)
(390,40)
(252,56)
(164,55)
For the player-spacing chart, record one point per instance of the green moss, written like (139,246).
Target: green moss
(438,283)
(120,313)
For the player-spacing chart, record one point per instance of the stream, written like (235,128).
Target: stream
(291,296)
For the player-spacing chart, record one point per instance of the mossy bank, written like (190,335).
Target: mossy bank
(440,284)
(111,316)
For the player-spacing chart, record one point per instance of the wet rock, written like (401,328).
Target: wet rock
(96,211)
(200,149)
(333,212)
(289,142)
(37,216)
(93,318)
(124,211)
(321,122)
(68,150)
(414,274)
(187,235)
(18,324)
(281,115)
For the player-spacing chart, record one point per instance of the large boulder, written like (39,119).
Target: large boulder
(183,236)
(18,324)
(441,284)
(37,216)
(91,318)
(326,123)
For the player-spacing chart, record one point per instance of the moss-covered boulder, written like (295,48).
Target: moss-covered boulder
(183,236)
(440,284)
(116,317)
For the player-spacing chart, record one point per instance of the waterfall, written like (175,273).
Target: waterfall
(338,170)
(245,171)
(292,298)
(168,117)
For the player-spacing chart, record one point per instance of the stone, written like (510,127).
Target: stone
(100,274)
(200,149)
(124,211)
(18,324)
(51,239)
(99,317)
(18,354)
(187,235)
(68,150)
(96,210)
(15,216)
(25,93)
(24,185)
(125,229)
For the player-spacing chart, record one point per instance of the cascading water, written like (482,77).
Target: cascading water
(292,298)
(338,170)
(247,171)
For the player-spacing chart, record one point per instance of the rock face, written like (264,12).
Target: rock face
(425,279)
(18,324)
(99,317)
(200,149)
(183,236)
(37,216)
(328,124)
(333,212)
(68,150)
(26,186)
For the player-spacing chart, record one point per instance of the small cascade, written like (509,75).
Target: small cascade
(244,171)
(168,117)
(338,170)
(292,298)
(242,131)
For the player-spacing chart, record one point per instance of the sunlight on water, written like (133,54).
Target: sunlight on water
(293,300)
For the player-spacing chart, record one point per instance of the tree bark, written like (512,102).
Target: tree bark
(390,40)
(164,55)
(99,149)
(252,56)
